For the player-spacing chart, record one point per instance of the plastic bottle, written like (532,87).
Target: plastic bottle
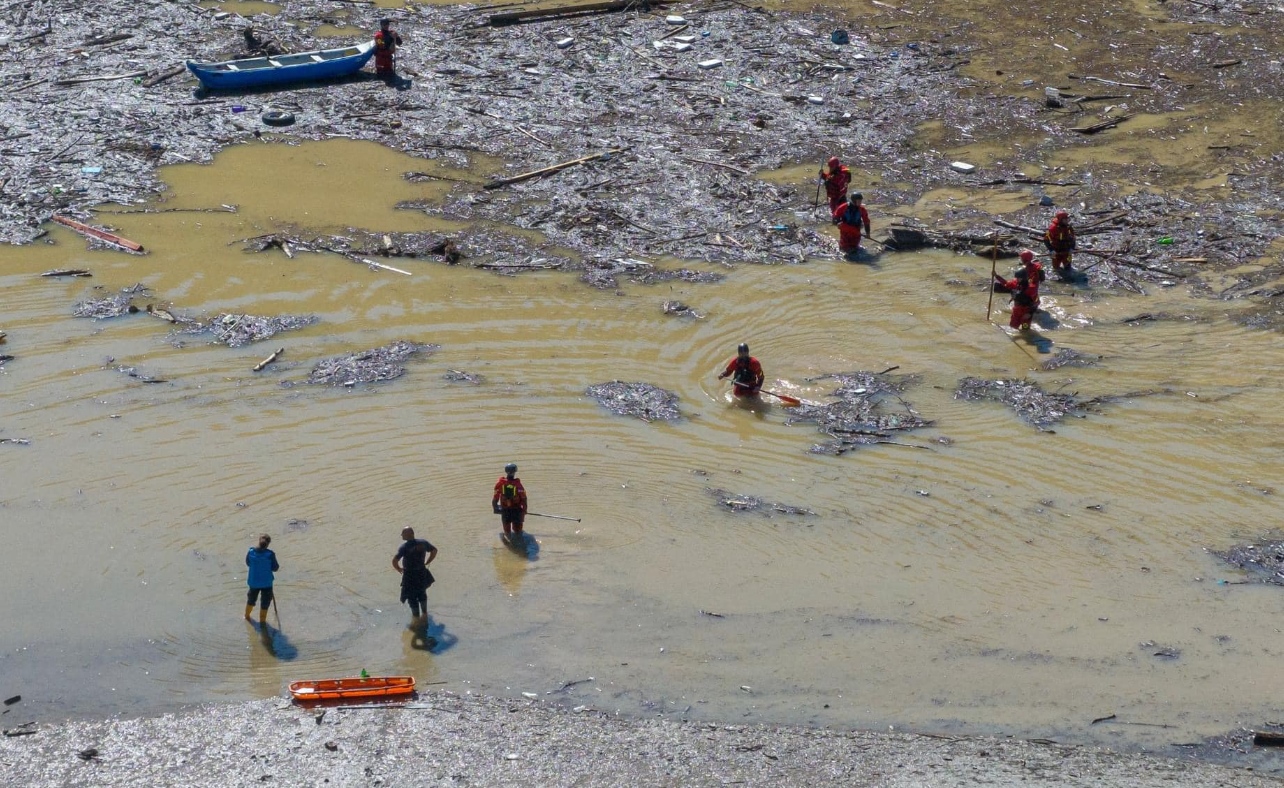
(364,675)
(1165,241)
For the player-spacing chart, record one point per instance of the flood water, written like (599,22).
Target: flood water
(1008,581)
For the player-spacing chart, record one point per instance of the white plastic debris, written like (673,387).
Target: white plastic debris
(674,19)
(565,42)
(962,166)
(681,47)
(709,63)
(816,99)
(684,39)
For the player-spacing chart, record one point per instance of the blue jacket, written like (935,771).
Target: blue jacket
(262,563)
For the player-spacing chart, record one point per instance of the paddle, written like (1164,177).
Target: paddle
(554,516)
(819,181)
(276,612)
(791,402)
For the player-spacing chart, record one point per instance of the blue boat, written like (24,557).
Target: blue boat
(304,66)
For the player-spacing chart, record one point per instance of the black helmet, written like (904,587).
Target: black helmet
(744,348)
(858,196)
(510,467)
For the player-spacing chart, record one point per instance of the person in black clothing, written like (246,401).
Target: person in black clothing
(412,561)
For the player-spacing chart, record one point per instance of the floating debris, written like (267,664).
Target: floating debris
(459,376)
(370,366)
(16,441)
(1029,400)
(1263,560)
(858,417)
(103,308)
(1066,357)
(604,274)
(80,272)
(139,376)
(679,309)
(294,524)
(751,503)
(240,330)
(647,402)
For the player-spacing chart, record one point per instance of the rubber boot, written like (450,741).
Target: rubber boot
(248,609)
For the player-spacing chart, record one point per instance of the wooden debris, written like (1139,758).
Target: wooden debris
(580,9)
(1111,82)
(1109,123)
(1268,738)
(162,76)
(260,366)
(1227,63)
(67,272)
(103,78)
(97,41)
(716,164)
(102,235)
(525,176)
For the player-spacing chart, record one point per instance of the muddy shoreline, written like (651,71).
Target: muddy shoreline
(444,738)
(690,162)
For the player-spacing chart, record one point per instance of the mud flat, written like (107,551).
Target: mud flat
(447,739)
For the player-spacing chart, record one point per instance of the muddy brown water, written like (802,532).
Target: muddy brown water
(970,587)
(1007,581)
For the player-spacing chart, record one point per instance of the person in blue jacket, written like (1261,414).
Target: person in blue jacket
(262,563)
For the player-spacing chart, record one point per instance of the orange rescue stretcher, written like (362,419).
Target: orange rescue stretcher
(353,688)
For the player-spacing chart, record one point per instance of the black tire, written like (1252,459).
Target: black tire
(275,117)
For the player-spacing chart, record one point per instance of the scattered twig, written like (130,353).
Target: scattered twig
(259,366)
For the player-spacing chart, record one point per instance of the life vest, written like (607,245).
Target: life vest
(510,492)
(745,374)
(836,183)
(385,42)
(1060,237)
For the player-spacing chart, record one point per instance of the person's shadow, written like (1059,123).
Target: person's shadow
(430,636)
(1045,320)
(864,257)
(524,544)
(276,643)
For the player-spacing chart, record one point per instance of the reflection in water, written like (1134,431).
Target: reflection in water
(510,568)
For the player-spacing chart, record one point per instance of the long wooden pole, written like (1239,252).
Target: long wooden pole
(525,176)
(994,264)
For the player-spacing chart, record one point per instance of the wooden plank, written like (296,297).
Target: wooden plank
(525,176)
(517,17)
(102,235)
(164,75)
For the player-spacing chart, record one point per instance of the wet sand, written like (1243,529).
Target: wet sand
(446,739)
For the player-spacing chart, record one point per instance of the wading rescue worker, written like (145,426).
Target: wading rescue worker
(411,561)
(386,42)
(1060,242)
(262,563)
(1024,288)
(850,217)
(836,181)
(509,501)
(744,371)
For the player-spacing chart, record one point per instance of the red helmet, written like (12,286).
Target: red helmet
(834,163)
(1063,215)
(1027,256)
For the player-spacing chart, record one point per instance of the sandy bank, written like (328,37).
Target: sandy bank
(447,739)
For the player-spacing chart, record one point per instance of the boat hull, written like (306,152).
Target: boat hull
(256,72)
(353,688)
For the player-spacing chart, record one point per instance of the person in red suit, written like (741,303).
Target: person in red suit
(836,182)
(850,217)
(744,371)
(386,42)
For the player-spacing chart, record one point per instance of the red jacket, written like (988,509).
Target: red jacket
(836,183)
(1059,237)
(747,376)
(510,494)
(849,226)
